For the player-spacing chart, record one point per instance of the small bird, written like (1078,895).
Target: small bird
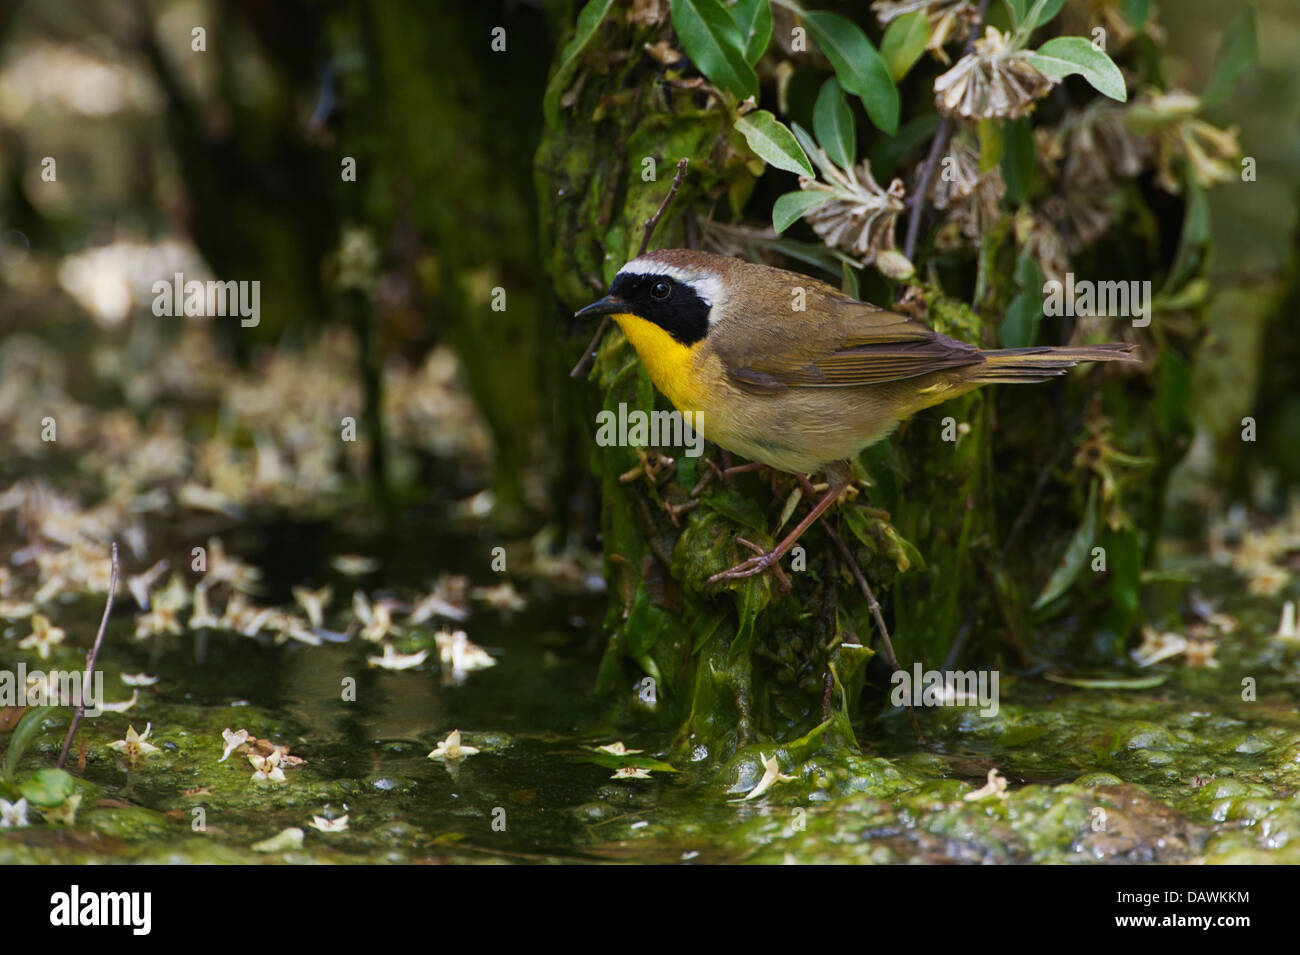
(799,390)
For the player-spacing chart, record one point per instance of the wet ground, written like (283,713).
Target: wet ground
(1183,771)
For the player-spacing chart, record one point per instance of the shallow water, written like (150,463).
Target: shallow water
(1185,771)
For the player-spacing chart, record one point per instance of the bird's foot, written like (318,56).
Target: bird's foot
(724,474)
(764,560)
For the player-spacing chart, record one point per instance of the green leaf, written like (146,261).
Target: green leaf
(1134,683)
(809,145)
(754,17)
(651,669)
(589,21)
(1124,588)
(1076,554)
(609,675)
(612,761)
(1019,162)
(1173,394)
(1029,275)
(833,124)
(1238,52)
(858,66)
(991,144)
(1020,327)
(1193,242)
(751,598)
(1020,9)
(1017,328)
(859,527)
(703,629)
(714,43)
(737,507)
(48,787)
(790,208)
(28,728)
(904,41)
(1065,55)
(644,625)
(1135,12)
(1050,9)
(849,283)
(774,143)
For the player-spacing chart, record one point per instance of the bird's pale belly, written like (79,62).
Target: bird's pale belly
(801,429)
(782,432)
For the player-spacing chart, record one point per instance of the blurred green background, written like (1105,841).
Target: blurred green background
(228,162)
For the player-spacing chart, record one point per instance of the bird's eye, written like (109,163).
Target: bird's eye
(660,290)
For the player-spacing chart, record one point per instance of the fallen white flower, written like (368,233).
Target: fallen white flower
(329,825)
(771,776)
(233,741)
(392,660)
(13,813)
(451,748)
(996,786)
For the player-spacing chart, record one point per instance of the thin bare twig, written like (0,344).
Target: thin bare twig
(653,221)
(90,661)
(937,146)
(588,356)
(874,606)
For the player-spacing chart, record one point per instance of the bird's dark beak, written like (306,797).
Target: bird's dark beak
(606,306)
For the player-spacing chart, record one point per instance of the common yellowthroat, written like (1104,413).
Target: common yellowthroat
(798,390)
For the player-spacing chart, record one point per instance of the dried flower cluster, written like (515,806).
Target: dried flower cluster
(971,198)
(992,82)
(862,217)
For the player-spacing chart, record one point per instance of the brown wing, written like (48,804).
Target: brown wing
(838,341)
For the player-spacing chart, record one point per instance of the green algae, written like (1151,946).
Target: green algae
(1192,770)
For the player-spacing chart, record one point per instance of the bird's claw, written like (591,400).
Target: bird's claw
(765,560)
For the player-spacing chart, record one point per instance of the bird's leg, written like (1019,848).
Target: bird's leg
(756,565)
(731,470)
(725,473)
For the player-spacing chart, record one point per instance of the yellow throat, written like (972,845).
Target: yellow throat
(670,363)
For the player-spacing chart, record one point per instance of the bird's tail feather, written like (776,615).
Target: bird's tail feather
(1025,365)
